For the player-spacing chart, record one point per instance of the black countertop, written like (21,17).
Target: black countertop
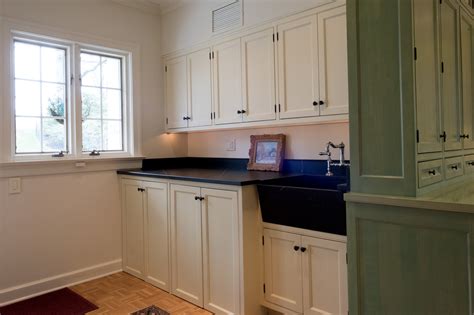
(221,170)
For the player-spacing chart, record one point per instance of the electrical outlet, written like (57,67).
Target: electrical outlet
(14,185)
(231,145)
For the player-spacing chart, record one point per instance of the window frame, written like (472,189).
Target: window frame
(73,108)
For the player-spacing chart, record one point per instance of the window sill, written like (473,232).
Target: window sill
(67,165)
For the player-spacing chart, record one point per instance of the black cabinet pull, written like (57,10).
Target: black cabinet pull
(470,163)
(296,248)
(198,198)
(443,136)
(321,102)
(464,136)
(432,172)
(244,111)
(141,189)
(303,249)
(454,167)
(315,103)
(239,112)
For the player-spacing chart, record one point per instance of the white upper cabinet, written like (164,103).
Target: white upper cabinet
(428,112)
(298,68)
(467,69)
(451,108)
(175,93)
(258,73)
(200,88)
(227,82)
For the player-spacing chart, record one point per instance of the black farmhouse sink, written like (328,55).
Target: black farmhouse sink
(305,201)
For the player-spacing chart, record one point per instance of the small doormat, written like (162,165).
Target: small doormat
(60,302)
(151,310)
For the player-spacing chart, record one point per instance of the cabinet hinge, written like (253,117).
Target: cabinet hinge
(415,54)
(442,67)
(264,289)
(417,136)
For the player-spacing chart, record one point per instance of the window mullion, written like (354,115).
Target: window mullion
(77,99)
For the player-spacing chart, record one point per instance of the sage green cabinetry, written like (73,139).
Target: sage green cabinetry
(467,75)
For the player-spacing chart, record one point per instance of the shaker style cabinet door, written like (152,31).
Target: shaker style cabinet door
(324,277)
(451,106)
(220,220)
(283,269)
(199,88)
(186,244)
(176,96)
(227,82)
(258,76)
(428,112)
(298,68)
(467,69)
(132,213)
(333,75)
(156,234)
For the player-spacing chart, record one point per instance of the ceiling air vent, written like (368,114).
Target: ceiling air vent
(227,17)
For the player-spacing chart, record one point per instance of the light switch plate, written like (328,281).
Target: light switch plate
(14,185)
(231,145)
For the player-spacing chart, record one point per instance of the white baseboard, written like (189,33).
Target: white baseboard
(31,289)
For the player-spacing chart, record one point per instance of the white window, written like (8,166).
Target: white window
(48,95)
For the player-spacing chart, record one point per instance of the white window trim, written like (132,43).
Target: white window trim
(12,28)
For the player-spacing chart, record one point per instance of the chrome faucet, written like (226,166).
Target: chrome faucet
(327,153)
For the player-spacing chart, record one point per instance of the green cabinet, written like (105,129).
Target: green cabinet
(467,72)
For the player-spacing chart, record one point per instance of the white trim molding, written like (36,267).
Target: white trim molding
(35,288)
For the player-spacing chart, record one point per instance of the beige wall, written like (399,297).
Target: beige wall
(303,142)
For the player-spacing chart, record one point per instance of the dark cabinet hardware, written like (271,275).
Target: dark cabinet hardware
(470,163)
(464,136)
(454,167)
(443,136)
(417,136)
(241,112)
(315,103)
(321,102)
(94,153)
(303,249)
(199,198)
(186,118)
(432,172)
(296,248)
(141,189)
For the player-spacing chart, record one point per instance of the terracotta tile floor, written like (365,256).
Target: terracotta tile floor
(122,293)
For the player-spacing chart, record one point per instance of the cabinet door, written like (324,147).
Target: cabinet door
(467,68)
(283,274)
(428,112)
(199,86)
(333,76)
(258,69)
(221,251)
(450,79)
(186,246)
(156,234)
(132,213)
(227,82)
(298,68)
(324,277)
(176,92)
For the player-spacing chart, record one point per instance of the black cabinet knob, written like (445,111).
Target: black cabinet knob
(244,111)
(321,102)
(315,103)
(296,248)
(464,136)
(454,167)
(432,172)
(239,112)
(198,198)
(303,249)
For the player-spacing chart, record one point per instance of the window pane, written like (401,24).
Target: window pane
(54,96)
(54,135)
(27,98)
(28,135)
(90,69)
(53,62)
(112,135)
(111,76)
(111,104)
(91,102)
(91,135)
(27,61)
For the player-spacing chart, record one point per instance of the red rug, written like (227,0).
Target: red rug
(61,302)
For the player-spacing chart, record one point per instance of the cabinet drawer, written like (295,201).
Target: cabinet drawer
(469,164)
(430,172)
(453,167)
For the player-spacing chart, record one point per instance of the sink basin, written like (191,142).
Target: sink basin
(306,201)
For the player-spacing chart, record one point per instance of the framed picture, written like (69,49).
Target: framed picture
(266,153)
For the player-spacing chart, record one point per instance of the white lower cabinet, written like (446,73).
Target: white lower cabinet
(201,243)
(306,275)
(145,231)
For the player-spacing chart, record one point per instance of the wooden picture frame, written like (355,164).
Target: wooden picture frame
(266,153)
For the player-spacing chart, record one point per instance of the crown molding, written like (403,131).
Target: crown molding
(145,6)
